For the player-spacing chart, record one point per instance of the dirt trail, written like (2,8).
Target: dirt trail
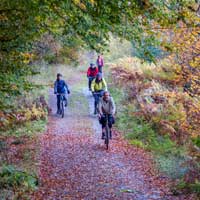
(74,164)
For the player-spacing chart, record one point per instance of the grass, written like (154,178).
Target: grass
(45,79)
(16,184)
(18,177)
(171,165)
(29,129)
(169,157)
(137,143)
(194,187)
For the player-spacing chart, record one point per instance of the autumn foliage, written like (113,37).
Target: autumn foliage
(156,94)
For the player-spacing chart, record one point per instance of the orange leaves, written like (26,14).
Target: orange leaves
(74,166)
(30,113)
(187,44)
(159,95)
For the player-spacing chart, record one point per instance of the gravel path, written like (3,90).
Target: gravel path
(74,163)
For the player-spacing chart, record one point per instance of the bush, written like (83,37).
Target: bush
(50,58)
(194,187)
(196,141)
(157,114)
(11,177)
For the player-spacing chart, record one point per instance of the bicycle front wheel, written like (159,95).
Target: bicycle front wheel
(107,137)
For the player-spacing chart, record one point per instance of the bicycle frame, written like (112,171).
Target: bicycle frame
(107,133)
(62,108)
(99,95)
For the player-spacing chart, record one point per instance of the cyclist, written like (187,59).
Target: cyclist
(100,63)
(60,87)
(98,87)
(91,74)
(106,106)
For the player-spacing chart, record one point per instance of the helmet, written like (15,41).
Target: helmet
(99,75)
(91,64)
(58,74)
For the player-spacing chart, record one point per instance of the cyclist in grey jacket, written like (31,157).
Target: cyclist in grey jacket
(106,106)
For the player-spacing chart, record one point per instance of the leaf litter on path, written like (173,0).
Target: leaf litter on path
(74,163)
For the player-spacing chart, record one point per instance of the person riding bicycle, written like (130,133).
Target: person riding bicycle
(106,107)
(100,63)
(60,87)
(98,87)
(91,74)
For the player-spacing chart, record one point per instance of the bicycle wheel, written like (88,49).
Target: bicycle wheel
(107,137)
(62,108)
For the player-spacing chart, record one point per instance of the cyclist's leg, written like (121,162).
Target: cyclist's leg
(58,103)
(111,120)
(90,79)
(95,102)
(98,98)
(100,68)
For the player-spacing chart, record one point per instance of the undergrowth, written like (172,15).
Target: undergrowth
(168,155)
(16,184)
(29,128)
(170,158)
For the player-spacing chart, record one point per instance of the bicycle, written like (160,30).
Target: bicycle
(97,96)
(62,105)
(107,135)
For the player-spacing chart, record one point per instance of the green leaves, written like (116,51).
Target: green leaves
(82,23)
(11,177)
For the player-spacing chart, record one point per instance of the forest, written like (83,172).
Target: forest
(151,50)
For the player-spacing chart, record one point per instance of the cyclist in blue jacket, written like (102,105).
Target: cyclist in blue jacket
(60,87)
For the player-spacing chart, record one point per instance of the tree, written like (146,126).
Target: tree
(87,21)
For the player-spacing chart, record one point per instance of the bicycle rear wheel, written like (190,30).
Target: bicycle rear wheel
(107,137)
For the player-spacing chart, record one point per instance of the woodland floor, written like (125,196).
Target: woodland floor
(74,163)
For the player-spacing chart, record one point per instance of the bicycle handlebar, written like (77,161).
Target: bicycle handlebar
(97,92)
(60,94)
